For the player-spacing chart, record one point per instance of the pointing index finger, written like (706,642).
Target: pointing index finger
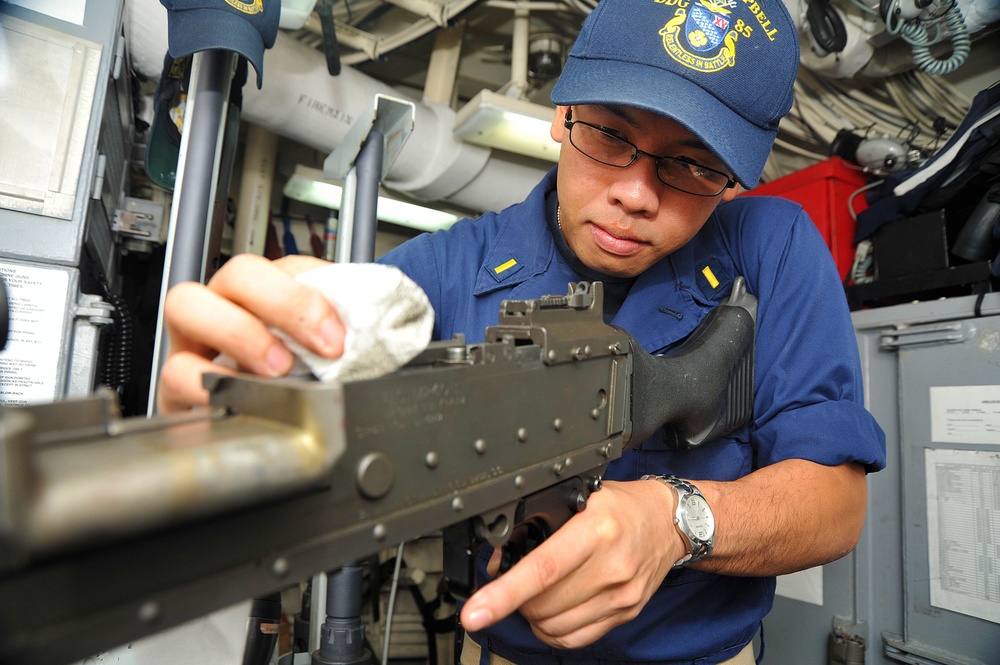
(532,576)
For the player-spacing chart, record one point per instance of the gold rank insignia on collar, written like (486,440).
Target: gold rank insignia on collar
(713,279)
(503,267)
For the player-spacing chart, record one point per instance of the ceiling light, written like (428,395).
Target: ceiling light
(309,186)
(508,123)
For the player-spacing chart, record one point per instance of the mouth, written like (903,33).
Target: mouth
(615,241)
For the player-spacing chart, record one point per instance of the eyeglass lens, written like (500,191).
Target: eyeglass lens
(677,173)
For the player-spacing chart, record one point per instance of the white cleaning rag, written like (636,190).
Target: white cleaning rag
(387,318)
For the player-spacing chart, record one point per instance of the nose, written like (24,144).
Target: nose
(637,189)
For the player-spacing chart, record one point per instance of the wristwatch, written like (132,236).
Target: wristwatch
(694,519)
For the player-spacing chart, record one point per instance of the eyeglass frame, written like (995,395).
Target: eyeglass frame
(568,123)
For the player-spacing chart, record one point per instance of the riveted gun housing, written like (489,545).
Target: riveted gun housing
(113,528)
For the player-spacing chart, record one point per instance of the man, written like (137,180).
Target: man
(663,107)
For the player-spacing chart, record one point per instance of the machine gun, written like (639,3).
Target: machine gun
(112,528)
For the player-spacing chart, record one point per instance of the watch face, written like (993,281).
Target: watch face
(699,518)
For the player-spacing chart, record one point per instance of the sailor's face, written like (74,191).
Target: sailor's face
(621,221)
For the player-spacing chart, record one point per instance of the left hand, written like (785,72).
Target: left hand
(593,574)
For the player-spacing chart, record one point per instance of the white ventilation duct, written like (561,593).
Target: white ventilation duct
(301,101)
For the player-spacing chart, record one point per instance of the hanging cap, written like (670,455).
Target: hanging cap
(246,27)
(163,143)
(164,140)
(724,70)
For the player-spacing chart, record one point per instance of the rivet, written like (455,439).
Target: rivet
(380,532)
(432,460)
(480,446)
(522,434)
(457,504)
(280,566)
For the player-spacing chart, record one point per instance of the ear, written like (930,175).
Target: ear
(732,192)
(558,129)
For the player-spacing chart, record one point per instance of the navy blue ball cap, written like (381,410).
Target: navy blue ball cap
(247,27)
(724,69)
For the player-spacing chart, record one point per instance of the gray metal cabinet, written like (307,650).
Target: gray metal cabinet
(923,585)
(64,144)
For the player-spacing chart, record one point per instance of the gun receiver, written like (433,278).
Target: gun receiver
(111,528)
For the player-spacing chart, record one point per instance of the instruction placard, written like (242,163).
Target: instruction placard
(30,368)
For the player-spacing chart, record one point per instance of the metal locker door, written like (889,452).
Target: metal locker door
(949,406)
(877,599)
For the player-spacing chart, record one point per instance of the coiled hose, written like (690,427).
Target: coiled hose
(915,33)
(116,345)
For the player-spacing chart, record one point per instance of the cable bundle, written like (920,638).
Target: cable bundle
(919,109)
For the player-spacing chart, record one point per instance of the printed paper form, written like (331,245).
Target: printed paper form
(963,531)
(965,414)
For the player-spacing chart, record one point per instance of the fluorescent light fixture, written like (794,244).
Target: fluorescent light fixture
(508,123)
(309,186)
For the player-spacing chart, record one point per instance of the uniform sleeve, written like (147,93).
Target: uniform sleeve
(809,400)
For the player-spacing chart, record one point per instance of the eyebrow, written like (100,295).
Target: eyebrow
(625,114)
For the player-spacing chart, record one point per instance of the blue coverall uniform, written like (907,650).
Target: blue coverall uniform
(808,387)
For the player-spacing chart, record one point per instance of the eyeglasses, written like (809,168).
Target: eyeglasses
(681,173)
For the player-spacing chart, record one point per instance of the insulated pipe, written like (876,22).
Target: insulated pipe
(253,208)
(301,101)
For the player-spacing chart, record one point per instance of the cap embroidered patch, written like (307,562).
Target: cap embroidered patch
(505,267)
(712,278)
(693,38)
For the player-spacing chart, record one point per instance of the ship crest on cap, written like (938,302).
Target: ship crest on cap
(703,34)
(253,7)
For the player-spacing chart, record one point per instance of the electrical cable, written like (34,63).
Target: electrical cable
(855,193)
(916,108)
(864,8)
(392,602)
(914,31)
(960,45)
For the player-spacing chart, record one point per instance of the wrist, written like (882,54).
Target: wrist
(692,517)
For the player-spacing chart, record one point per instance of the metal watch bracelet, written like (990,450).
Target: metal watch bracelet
(699,547)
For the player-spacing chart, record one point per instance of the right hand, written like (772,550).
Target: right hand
(232,314)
